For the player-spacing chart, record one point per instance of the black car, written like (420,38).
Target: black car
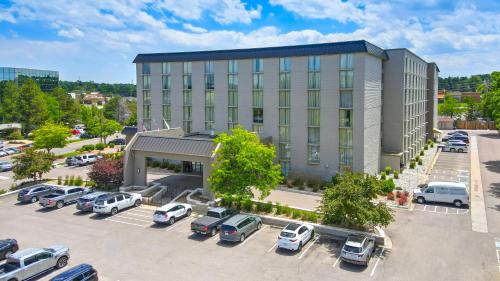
(117,142)
(82,272)
(459,132)
(7,247)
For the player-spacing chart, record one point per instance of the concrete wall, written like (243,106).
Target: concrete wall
(245,93)
(432,89)
(198,113)
(372,114)
(140,101)
(221,95)
(271,98)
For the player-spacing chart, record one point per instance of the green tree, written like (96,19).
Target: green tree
(450,107)
(9,99)
(243,162)
(349,202)
(490,99)
(51,136)
(32,108)
(472,108)
(69,109)
(52,107)
(132,120)
(110,109)
(32,164)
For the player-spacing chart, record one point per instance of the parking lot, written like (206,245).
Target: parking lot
(129,246)
(451,166)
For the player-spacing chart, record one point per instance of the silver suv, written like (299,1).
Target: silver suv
(358,249)
(34,193)
(237,228)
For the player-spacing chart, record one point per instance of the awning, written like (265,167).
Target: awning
(178,146)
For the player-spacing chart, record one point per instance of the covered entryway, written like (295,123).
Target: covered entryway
(167,144)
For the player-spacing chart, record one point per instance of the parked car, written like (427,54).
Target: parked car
(455,147)
(71,161)
(465,133)
(9,151)
(118,141)
(32,262)
(237,228)
(294,236)
(3,153)
(13,150)
(85,159)
(358,249)
(461,138)
(5,166)
(86,202)
(444,192)
(63,196)
(211,222)
(7,247)
(114,202)
(456,141)
(87,136)
(81,272)
(171,212)
(34,193)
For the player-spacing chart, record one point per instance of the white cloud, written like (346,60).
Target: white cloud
(70,33)
(222,11)
(339,10)
(194,29)
(6,15)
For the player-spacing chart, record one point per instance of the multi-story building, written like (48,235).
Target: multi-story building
(328,108)
(46,79)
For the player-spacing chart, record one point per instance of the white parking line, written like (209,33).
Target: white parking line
(146,211)
(376,264)
(435,208)
(4,178)
(308,247)
(127,218)
(425,207)
(172,227)
(125,222)
(336,261)
(132,214)
(446,210)
(274,246)
(252,236)
(216,237)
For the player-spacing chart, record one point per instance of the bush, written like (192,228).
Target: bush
(310,216)
(335,179)
(100,146)
(111,145)
(383,176)
(406,193)
(88,147)
(388,170)
(426,147)
(398,194)
(226,201)
(420,162)
(164,164)
(59,180)
(78,181)
(3,191)
(247,205)
(302,187)
(66,180)
(432,144)
(296,213)
(398,188)
(402,200)
(315,189)
(429,142)
(289,183)
(177,169)
(298,182)
(390,196)
(264,207)
(71,180)
(91,184)
(155,164)
(421,153)
(287,210)
(396,174)
(412,164)
(15,135)
(388,186)
(279,208)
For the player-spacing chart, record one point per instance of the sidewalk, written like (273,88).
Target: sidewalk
(477,207)
(294,199)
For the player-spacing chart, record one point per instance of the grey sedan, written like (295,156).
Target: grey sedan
(86,203)
(237,228)
(5,166)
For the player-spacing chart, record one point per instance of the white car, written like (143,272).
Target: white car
(85,159)
(294,236)
(115,202)
(171,212)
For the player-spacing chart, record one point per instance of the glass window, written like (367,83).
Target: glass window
(232,66)
(346,61)
(284,116)
(345,137)
(313,135)
(313,153)
(313,98)
(345,155)
(146,95)
(284,98)
(285,80)
(187,82)
(346,79)
(284,133)
(165,68)
(314,81)
(285,65)
(258,115)
(146,69)
(233,82)
(209,98)
(166,97)
(167,113)
(232,98)
(257,98)
(232,115)
(209,81)
(166,81)
(187,113)
(313,117)
(187,98)
(146,82)
(209,67)
(314,63)
(345,119)
(187,68)
(258,81)
(258,65)
(345,99)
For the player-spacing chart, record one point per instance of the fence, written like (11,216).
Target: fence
(467,125)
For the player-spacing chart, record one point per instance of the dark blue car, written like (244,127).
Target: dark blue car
(82,272)
(7,247)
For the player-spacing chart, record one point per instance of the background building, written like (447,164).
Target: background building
(46,79)
(326,107)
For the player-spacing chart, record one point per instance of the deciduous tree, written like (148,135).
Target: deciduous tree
(107,173)
(243,162)
(32,164)
(32,107)
(51,136)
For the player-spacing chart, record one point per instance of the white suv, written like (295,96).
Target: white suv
(85,159)
(112,203)
(294,236)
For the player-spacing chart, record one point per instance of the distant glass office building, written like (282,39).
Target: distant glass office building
(46,79)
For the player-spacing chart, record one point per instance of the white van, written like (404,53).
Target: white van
(444,192)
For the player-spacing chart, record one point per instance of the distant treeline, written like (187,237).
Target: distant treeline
(463,84)
(124,90)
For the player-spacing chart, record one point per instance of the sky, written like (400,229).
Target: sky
(98,40)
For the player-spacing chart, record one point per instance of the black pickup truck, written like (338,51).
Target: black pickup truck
(211,222)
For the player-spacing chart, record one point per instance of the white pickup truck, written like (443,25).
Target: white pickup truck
(28,263)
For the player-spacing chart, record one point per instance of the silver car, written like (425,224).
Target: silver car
(5,166)
(63,196)
(237,228)
(358,249)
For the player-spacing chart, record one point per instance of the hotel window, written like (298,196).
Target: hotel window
(258,95)
(313,109)
(166,84)
(146,95)
(232,103)
(187,118)
(345,113)
(284,114)
(209,96)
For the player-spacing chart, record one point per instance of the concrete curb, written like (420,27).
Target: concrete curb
(380,239)
(286,189)
(9,193)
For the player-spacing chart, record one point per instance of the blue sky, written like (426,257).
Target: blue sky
(97,40)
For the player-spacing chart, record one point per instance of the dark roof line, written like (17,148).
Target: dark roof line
(360,46)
